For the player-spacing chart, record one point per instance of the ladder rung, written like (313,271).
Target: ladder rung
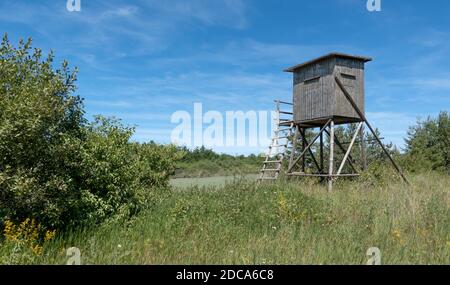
(279,145)
(272,161)
(271,170)
(284,112)
(283,102)
(283,130)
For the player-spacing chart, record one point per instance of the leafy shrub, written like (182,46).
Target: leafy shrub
(117,175)
(55,166)
(428,144)
(203,162)
(379,174)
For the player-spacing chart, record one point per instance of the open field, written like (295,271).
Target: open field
(219,167)
(186,183)
(284,223)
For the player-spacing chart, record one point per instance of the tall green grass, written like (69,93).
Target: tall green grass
(295,222)
(223,166)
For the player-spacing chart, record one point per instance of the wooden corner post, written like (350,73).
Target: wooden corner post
(331,165)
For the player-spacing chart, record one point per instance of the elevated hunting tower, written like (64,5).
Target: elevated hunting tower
(327,91)
(317,97)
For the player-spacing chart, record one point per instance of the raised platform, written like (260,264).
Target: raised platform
(319,122)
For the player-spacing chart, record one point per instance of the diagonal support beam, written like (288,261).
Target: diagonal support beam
(349,148)
(291,166)
(303,133)
(361,115)
(344,150)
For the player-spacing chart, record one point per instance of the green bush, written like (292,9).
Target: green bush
(203,162)
(117,175)
(379,174)
(56,167)
(428,144)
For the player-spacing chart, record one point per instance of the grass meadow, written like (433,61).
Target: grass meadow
(295,222)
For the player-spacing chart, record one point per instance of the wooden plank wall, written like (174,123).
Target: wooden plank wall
(351,73)
(310,95)
(316,94)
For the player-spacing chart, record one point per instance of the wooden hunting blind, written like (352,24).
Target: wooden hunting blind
(317,97)
(327,91)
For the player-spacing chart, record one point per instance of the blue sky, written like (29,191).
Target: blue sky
(143,60)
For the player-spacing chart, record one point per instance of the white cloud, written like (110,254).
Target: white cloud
(249,53)
(230,13)
(217,90)
(110,27)
(433,83)
(125,11)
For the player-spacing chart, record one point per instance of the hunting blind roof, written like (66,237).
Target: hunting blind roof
(328,56)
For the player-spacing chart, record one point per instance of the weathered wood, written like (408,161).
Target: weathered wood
(309,150)
(291,166)
(363,149)
(347,153)
(283,102)
(294,148)
(271,169)
(331,165)
(273,162)
(303,148)
(362,116)
(322,175)
(344,150)
(365,141)
(321,153)
(316,95)
(329,91)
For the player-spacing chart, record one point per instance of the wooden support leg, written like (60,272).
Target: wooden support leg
(321,154)
(307,148)
(303,133)
(363,149)
(331,166)
(350,158)
(294,149)
(347,153)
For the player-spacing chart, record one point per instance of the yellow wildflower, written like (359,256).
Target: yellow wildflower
(36,249)
(10,232)
(27,234)
(398,236)
(49,235)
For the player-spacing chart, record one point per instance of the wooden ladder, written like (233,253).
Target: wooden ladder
(280,144)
